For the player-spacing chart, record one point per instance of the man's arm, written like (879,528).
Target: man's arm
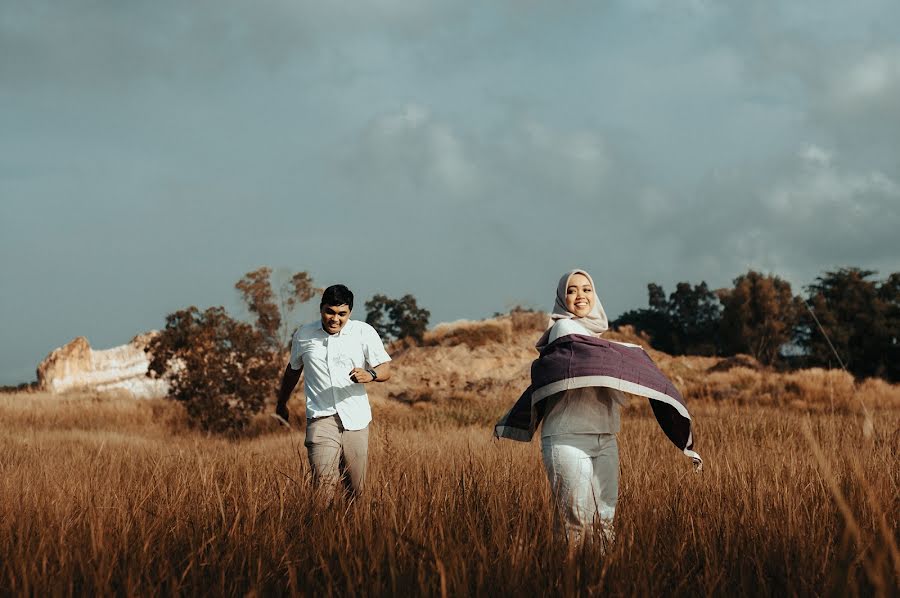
(288,382)
(363,376)
(383,371)
(373,349)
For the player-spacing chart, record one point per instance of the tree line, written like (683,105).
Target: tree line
(224,370)
(847,318)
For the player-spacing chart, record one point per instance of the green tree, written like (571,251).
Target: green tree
(655,323)
(759,315)
(684,323)
(397,318)
(860,319)
(695,313)
(889,294)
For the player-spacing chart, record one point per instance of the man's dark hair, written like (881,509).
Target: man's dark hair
(337,294)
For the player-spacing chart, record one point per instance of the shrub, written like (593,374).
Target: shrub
(221,369)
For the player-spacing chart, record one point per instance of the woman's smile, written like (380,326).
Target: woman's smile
(579,295)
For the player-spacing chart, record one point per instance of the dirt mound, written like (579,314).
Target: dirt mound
(464,357)
(476,358)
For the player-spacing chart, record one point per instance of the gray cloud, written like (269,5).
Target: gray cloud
(110,43)
(810,212)
(413,155)
(154,152)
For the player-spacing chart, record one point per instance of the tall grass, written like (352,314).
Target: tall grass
(115,496)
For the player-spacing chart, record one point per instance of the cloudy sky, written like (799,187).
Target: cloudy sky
(468,153)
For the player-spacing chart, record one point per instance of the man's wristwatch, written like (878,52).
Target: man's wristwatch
(373,373)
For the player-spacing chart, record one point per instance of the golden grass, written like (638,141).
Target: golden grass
(116,496)
(814,389)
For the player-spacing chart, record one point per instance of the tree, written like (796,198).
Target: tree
(860,319)
(271,317)
(695,314)
(221,369)
(655,323)
(397,318)
(759,316)
(889,293)
(656,297)
(685,323)
(256,290)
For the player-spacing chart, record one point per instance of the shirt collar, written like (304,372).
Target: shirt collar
(343,330)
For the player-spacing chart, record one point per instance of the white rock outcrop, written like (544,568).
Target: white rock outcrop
(76,366)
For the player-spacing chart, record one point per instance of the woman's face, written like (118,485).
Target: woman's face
(579,295)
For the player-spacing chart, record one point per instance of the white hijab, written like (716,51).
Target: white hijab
(595,322)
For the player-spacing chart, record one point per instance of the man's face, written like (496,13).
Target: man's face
(334,317)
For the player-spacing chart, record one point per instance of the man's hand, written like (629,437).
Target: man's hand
(281,411)
(360,375)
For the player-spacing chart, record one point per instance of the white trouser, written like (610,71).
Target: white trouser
(584,477)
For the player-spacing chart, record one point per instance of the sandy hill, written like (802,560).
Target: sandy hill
(492,357)
(495,355)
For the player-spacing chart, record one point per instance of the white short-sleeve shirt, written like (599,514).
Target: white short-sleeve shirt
(327,360)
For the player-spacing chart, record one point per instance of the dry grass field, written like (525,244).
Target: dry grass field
(112,496)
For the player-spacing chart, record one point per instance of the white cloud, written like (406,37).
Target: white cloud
(821,191)
(412,152)
(815,155)
(571,161)
(855,100)
(872,77)
(795,216)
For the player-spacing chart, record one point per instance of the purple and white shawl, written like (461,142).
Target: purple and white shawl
(576,361)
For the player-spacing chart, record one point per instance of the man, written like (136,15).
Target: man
(339,356)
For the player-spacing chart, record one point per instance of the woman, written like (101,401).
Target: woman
(576,390)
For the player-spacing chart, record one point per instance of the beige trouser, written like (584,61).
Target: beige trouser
(337,454)
(584,475)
